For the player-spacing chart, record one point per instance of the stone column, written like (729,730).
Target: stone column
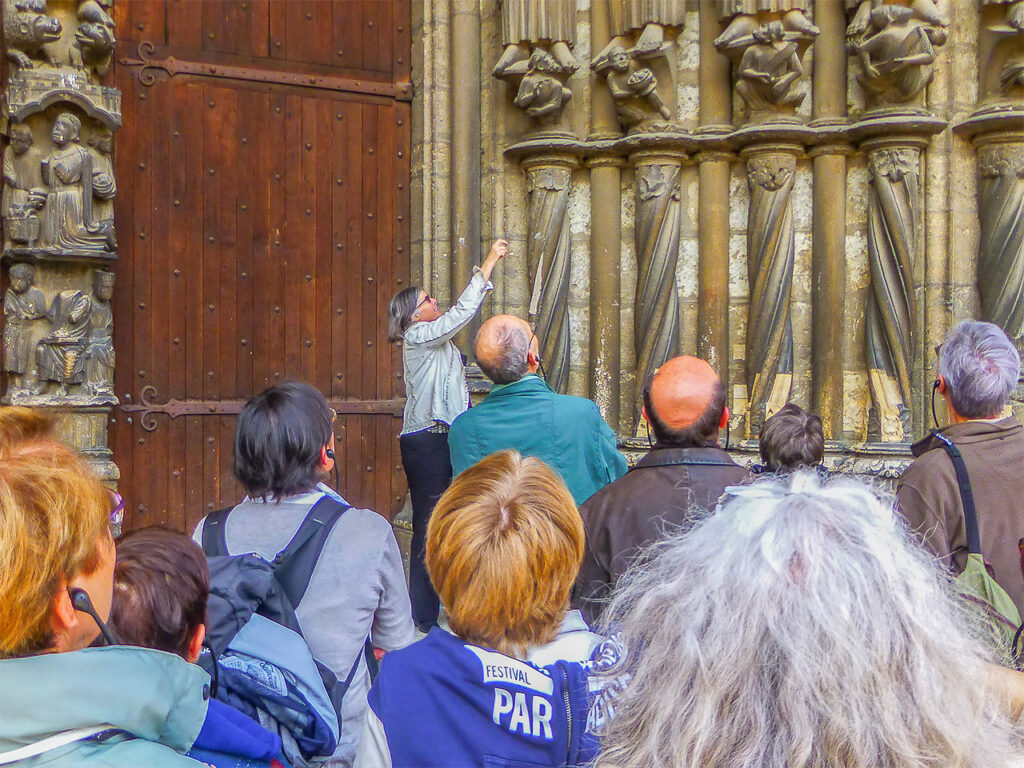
(605,236)
(771,252)
(465,167)
(657,224)
(713,204)
(828,245)
(58,221)
(549,260)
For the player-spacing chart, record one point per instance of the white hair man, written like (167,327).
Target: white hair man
(800,625)
(978,368)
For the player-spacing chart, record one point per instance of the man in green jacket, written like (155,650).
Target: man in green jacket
(522,412)
(63,704)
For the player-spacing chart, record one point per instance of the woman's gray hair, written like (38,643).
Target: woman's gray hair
(981,367)
(799,626)
(400,311)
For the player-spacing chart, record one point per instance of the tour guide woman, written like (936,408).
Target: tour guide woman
(436,392)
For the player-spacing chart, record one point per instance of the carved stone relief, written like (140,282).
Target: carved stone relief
(894,230)
(1001,48)
(741,16)
(656,302)
(58,214)
(1001,252)
(895,46)
(771,251)
(634,88)
(549,261)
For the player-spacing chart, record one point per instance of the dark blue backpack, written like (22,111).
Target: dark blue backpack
(258,659)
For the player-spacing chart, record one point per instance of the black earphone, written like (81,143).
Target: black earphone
(330,454)
(935,388)
(81,602)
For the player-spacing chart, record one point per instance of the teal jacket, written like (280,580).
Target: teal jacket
(147,707)
(566,432)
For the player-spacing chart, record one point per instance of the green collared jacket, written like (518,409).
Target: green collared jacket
(566,432)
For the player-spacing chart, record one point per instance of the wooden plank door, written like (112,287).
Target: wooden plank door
(263,209)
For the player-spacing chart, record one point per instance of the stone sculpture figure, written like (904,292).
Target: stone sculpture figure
(527,23)
(770,70)
(542,95)
(1004,69)
(896,54)
(549,261)
(648,20)
(771,252)
(634,88)
(101,145)
(23,193)
(1001,252)
(61,354)
(28,32)
(23,304)
(69,222)
(656,302)
(94,38)
(926,11)
(742,18)
(893,243)
(99,367)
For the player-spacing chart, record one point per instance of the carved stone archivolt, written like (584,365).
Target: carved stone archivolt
(771,251)
(58,214)
(656,301)
(895,45)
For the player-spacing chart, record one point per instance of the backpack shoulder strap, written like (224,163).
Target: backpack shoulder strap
(294,565)
(215,543)
(966,494)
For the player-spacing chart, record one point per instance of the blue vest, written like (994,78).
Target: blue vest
(446,703)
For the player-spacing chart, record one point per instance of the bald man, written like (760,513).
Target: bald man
(676,482)
(523,412)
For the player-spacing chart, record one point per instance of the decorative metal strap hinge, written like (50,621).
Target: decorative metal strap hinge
(175,408)
(150,69)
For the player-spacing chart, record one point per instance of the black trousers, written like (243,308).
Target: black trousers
(428,470)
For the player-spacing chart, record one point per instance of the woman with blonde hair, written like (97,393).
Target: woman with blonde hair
(436,392)
(503,548)
(64,704)
(800,626)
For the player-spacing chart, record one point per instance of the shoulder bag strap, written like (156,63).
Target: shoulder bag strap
(215,543)
(966,494)
(294,565)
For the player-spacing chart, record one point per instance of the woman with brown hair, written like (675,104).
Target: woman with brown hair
(503,547)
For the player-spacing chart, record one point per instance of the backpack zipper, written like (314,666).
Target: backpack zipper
(568,713)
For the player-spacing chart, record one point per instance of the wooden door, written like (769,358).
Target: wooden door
(263,224)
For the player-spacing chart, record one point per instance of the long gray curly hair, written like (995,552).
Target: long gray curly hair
(799,627)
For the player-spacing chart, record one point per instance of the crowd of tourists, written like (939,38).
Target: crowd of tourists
(562,609)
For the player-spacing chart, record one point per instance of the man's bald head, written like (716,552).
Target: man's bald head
(685,402)
(505,349)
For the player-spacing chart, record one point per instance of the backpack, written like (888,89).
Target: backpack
(257,658)
(982,593)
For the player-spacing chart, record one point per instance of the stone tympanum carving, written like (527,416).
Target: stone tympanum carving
(527,23)
(893,242)
(61,354)
(1001,252)
(771,251)
(896,50)
(23,305)
(656,302)
(99,378)
(542,95)
(94,38)
(23,193)
(69,222)
(29,33)
(634,88)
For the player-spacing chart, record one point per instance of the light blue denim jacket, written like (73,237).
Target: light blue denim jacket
(435,379)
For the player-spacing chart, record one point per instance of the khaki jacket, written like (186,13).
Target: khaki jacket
(929,498)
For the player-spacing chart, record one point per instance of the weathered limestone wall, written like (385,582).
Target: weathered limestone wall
(810,193)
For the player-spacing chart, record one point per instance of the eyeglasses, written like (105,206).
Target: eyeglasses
(116,507)
(334,415)
(426,298)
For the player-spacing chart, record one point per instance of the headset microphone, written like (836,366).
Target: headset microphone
(81,602)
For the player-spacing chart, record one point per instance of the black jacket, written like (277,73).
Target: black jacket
(669,488)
